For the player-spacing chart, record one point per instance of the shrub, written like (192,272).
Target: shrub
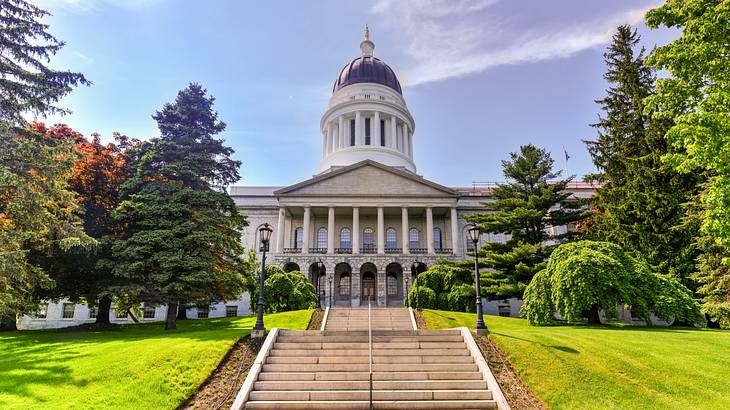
(284,291)
(423,297)
(462,298)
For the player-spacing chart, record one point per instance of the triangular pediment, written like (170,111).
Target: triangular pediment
(367,178)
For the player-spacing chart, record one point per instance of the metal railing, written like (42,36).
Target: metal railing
(370,349)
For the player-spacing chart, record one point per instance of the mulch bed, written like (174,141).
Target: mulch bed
(221,388)
(315,322)
(518,395)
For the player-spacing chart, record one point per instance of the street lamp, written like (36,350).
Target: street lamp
(408,288)
(331,291)
(320,269)
(473,231)
(259,330)
(414,270)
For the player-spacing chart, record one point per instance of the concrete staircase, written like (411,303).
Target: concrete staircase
(329,369)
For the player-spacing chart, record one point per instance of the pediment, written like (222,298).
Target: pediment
(367,178)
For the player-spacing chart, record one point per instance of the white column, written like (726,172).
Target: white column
(341,132)
(330,137)
(325,141)
(393,134)
(410,145)
(381,231)
(404,132)
(355,230)
(331,230)
(280,230)
(335,137)
(404,230)
(305,229)
(358,129)
(429,230)
(376,140)
(454,232)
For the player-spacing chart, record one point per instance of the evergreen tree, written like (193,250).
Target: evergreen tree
(181,242)
(639,206)
(524,208)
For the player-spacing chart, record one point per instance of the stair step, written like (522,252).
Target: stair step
(365,352)
(354,395)
(364,339)
(364,376)
(377,385)
(364,359)
(348,367)
(378,405)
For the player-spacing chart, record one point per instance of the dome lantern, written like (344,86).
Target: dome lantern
(366,45)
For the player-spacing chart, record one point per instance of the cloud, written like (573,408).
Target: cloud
(93,5)
(463,34)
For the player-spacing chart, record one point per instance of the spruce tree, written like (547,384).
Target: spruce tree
(524,208)
(639,205)
(181,242)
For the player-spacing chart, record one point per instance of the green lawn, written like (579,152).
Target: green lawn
(612,367)
(129,367)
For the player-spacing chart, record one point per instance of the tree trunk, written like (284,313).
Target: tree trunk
(182,313)
(8,324)
(134,318)
(593,317)
(171,317)
(103,310)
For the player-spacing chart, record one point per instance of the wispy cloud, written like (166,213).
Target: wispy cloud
(447,38)
(92,5)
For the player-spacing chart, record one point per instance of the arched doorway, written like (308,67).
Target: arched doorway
(291,267)
(318,278)
(342,284)
(369,286)
(394,289)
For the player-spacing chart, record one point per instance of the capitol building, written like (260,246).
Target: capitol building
(365,225)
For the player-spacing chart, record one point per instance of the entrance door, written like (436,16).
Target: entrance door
(368,286)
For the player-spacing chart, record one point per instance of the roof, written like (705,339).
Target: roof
(367,69)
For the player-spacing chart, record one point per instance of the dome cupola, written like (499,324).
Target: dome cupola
(367,117)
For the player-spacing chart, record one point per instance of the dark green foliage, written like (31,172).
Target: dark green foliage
(462,298)
(447,286)
(639,206)
(529,203)
(284,291)
(584,277)
(27,83)
(181,242)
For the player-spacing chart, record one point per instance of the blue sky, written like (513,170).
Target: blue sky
(481,77)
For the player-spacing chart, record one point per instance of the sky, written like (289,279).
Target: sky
(480,77)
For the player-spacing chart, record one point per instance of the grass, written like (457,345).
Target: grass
(612,367)
(125,367)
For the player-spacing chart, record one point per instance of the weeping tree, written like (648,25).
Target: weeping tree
(585,277)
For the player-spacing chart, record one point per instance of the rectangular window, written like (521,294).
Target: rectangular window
(352,133)
(505,311)
(42,311)
(367,131)
(92,312)
(68,310)
(231,311)
(203,313)
(382,133)
(148,312)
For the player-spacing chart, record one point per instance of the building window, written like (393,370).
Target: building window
(344,286)
(231,311)
(392,284)
(92,312)
(322,238)
(68,310)
(148,312)
(390,238)
(42,311)
(505,310)
(437,238)
(368,238)
(298,237)
(203,312)
(382,133)
(367,131)
(414,241)
(352,133)
(345,238)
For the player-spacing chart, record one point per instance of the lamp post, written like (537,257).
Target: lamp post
(414,269)
(259,330)
(320,269)
(473,231)
(331,291)
(408,288)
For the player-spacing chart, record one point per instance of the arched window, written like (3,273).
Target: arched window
(390,238)
(368,237)
(344,284)
(414,240)
(345,238)
(437,238)
(322,238)
(392,284)
(298,237)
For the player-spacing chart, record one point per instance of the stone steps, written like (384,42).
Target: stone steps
(364,376)
(377,395)
(378,405)
(350,367)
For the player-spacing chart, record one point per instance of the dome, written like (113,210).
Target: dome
(367,69)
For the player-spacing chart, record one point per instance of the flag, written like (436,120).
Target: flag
(567,157)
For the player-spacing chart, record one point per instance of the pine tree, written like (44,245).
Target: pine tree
(639,206)
(524,208)
(181,242)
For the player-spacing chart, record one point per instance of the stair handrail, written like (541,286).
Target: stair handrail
(370,349)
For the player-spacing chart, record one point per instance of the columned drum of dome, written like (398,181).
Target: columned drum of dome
(367,116)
